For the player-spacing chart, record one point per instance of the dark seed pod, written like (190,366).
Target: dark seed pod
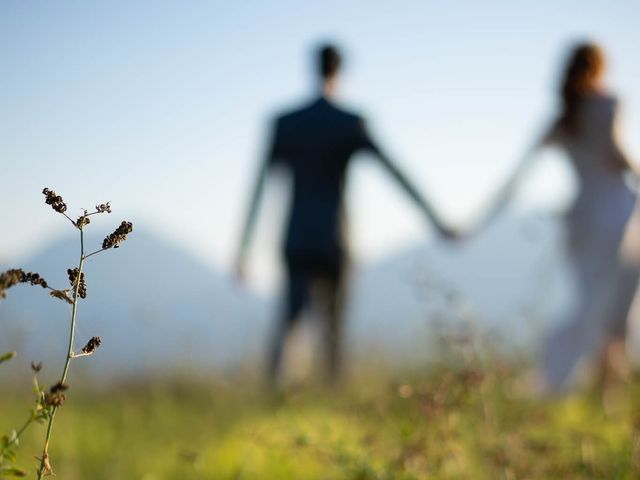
(92,345)
(56,201)
(118,236)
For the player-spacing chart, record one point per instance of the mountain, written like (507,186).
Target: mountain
(152,304)
(158,308)
(509,282)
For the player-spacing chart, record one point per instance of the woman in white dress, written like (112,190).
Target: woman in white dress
(596,223)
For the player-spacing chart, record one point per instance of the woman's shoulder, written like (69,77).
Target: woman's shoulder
(601,99)
(600,105)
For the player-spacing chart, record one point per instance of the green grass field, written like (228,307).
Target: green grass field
(443,424)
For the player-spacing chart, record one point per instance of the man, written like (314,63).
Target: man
(316,143)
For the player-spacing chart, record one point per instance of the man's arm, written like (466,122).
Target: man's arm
(250,220)
(406,185)
(254,204)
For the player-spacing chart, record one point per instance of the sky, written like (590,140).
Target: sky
(161,107)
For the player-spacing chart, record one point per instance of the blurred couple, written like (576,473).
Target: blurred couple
(316,144)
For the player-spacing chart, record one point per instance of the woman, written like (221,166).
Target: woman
(596,223)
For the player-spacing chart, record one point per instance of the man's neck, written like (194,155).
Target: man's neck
(328,88)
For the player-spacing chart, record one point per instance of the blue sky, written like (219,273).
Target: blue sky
(160,107)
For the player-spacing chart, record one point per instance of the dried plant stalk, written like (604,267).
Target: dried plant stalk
(48,402)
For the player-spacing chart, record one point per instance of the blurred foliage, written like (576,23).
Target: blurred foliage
(447,423)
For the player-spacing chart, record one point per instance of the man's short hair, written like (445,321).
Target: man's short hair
(329,60)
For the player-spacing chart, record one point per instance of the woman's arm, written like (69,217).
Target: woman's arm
(550,136)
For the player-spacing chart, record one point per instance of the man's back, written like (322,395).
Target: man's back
(316,143)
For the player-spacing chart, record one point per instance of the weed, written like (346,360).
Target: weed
(48,401)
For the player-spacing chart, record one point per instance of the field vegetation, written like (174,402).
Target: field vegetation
(440,423)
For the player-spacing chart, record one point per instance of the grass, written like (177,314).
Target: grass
(431,425)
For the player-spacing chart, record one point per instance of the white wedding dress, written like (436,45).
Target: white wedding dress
(606,279)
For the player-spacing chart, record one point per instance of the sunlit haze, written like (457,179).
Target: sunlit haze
(161,108)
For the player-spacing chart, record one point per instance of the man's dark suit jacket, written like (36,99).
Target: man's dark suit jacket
(316,144)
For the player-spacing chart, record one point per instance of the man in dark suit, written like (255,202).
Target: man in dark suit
(316,144)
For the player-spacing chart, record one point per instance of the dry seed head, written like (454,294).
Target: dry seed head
(91,346)
(73,278)
(56,201)
(104,208)
(36,366)
(118,236)
(8,279)
(34,279)
(15,276)
(82,221)
(55,396)
(59,387)
(62,295)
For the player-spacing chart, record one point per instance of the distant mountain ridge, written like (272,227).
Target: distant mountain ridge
(151,302)
(157,307)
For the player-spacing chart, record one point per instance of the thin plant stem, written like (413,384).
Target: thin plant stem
(83,354)
(93,213)
(70,355)
(70,219)
(93,253)
(47,404)
(18,434)
(24,427)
